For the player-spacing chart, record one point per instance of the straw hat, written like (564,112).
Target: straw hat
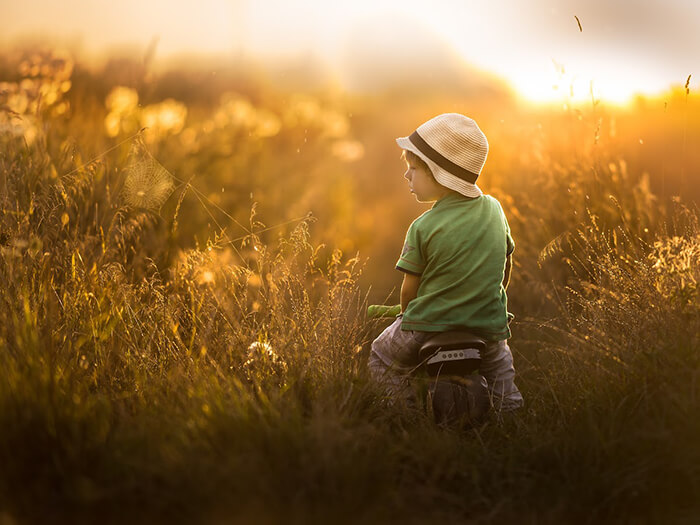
(454,148)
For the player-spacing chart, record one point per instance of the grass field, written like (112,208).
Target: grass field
(182,328)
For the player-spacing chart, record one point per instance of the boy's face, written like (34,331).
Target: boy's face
(422,184)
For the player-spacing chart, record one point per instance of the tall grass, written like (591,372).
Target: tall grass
(150,378)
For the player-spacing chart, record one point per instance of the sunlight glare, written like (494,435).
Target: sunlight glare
(503,38)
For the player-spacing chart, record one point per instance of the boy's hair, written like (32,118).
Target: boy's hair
(415,160)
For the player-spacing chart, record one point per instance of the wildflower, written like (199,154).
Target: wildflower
(122,100)
(206,277)
(163,118)
(348,150)
(122,103)
(675,261)
(267,125)
(264,363)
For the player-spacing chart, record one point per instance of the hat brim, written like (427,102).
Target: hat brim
(444,177)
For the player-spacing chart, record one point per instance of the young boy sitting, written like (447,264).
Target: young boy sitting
(456,260)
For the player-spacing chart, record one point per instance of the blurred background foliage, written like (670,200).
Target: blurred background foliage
(239,138)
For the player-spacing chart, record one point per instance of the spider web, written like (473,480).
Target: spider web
(147,184)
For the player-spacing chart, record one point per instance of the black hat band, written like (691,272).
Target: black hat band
(437,157)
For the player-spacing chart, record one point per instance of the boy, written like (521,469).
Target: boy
(456,260)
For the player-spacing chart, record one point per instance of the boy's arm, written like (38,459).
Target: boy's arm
(506,273)
(409,289)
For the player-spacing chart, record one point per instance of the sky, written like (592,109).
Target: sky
(536,46)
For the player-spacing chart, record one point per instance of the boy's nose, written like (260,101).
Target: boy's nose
(407,175)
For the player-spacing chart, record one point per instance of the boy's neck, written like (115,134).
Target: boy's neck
(448,192)
(451,193)
(442,194)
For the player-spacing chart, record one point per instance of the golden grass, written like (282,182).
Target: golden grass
(170,357)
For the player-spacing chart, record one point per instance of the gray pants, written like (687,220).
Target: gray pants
(394,357)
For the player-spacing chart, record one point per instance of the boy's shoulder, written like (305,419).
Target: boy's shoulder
(425,216)
(458,205)
(458,212)
(457,208)
(490,200)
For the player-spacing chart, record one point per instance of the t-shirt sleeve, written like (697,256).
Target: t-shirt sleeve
(510,243)
(412,260)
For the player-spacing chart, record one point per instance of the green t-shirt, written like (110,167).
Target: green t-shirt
(459,248)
